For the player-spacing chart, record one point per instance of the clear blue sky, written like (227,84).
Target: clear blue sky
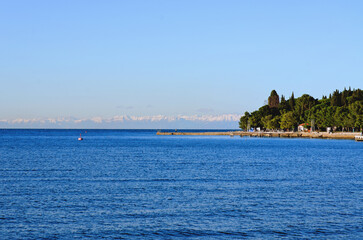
(107,58)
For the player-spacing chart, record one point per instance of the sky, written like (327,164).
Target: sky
(85,60)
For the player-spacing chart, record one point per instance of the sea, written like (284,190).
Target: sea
(134,184)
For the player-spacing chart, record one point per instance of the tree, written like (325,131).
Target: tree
(255,119)
(343,110)
(288,121)
(275,123)
(283,99)
(273,100)
(243,122)
(357,95)
(336,99)
(303,104)
(356,112)
(319,113)
(284,105)
(292,101)
(340,118)
(270,122)
(343,97)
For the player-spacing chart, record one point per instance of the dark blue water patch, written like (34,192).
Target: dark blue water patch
(133,184)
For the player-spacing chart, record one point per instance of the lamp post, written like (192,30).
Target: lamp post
(312,125)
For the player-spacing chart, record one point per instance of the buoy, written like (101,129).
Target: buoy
(80,137)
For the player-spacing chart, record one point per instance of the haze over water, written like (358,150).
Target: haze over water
(134,184)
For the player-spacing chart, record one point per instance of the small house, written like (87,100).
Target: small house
(303,127)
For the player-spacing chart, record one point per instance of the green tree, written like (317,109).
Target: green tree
(255,119)
(266,121)
(343,97)
(282,99)
(324,117)
(292,101)
(288,121)
(336,99)
(340,118)
(243,122)
(318,113)
(342,110)
(273,99)
(275,122)
(304,104)
(284,105)
(356,112)
(357,95)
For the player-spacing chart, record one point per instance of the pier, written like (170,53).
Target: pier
(321,135)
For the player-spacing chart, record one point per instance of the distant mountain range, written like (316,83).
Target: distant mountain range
(225,121)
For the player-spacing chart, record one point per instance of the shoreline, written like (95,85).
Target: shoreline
(319,135)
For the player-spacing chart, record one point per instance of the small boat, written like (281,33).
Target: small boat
(80,137)
(359,138)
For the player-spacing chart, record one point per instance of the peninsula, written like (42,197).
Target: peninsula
(339,116)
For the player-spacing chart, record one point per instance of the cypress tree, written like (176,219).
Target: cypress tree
(282,99)
(336,99)
(292,101)
(273,100)
(343,98)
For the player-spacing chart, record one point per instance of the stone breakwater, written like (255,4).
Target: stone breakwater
(321,135)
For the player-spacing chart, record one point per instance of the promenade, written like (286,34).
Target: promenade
(321,135)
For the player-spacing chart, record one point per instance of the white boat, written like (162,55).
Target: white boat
(359,138)
(80,137)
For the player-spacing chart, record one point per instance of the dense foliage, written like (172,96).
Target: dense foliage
(341,111)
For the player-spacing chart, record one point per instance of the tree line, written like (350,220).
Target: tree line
(342,110)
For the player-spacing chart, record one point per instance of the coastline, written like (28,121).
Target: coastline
(320,135)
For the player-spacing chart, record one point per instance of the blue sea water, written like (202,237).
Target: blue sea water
(133,184)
